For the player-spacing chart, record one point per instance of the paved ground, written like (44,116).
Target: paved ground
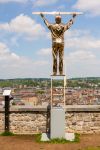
(28,143)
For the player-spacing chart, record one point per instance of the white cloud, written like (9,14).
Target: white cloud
(6,54)
(82,64)
(24,26)
(14,66)
(5,27)
(44,2)
(92,6)
(78,39)
(44,52)
(18,1)
(61,7)
(81,55)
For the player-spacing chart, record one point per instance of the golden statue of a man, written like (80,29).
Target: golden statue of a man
(57,32)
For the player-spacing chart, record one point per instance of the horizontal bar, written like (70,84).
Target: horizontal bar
(57,13)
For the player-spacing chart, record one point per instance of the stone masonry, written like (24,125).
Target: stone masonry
(27,123)
(79,119)
(1,122)
(83,122)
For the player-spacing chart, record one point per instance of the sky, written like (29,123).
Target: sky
(25,41)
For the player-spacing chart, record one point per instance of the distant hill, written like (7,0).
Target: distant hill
(87,82)
(78,78)
(86,78)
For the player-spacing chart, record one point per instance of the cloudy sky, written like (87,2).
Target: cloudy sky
(25,42)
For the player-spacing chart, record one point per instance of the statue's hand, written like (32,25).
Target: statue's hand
(41,15)
(74,15)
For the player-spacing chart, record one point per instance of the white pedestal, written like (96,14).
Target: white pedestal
(57,125)
(45,137)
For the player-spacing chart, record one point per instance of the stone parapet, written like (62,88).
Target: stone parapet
(83,119)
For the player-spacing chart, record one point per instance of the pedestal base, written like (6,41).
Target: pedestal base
(68,136)
(45,137)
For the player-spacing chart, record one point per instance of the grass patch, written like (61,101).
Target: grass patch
(38,138)
(57,140)
(77,138)
(7,134)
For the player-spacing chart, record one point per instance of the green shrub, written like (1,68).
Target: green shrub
(7,134)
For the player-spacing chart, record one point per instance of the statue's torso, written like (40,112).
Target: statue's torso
(57,32)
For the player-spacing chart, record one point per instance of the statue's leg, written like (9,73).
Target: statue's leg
(61,55)
(54,54)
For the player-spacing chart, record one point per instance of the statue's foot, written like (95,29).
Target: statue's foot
(61,73)
(54,73)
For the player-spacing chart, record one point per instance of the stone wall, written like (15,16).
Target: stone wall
(79,119)
(83,122)
(1,122)
(27,123)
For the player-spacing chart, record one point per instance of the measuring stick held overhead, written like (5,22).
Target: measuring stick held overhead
(57,13)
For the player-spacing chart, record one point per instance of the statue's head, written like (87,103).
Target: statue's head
(58,19)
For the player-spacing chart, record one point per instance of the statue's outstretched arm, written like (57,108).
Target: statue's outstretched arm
(71,21)
(45,20)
